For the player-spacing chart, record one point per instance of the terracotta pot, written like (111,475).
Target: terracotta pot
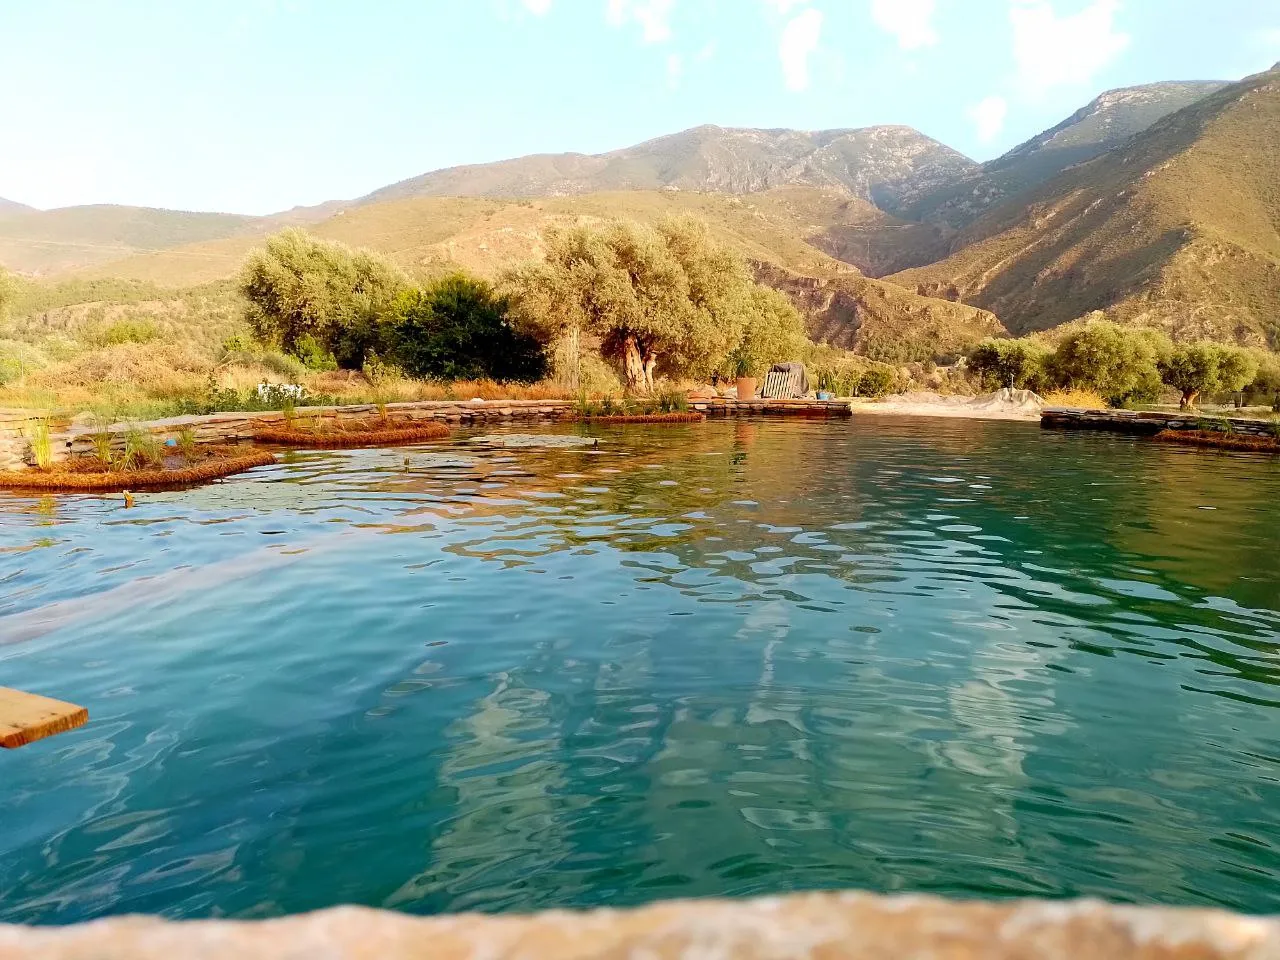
(746,388)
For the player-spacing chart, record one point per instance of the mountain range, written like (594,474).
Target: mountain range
(1155,204)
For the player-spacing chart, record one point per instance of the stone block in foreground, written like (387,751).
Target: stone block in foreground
(832,926)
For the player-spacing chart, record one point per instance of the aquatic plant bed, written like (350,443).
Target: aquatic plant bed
(693,417)
(90,475)
(354,433)
(725,407)
(70,439)
(1222,441)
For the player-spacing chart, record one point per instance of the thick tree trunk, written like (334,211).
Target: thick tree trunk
(573,347)
(633,364)
(650,360)
(1189,400)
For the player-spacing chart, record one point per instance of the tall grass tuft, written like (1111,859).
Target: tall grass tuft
(142,449)
(41,443)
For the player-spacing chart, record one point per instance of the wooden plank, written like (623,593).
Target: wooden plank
(28,717)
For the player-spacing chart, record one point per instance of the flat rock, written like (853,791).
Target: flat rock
(554,441)
(440,461)
(831,926)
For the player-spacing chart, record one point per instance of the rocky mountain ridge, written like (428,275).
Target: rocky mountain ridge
(890,166)
(1179,227)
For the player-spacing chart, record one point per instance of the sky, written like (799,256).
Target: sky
(255,106)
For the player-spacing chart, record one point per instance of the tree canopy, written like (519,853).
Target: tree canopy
(661,300)
(1005,362)
(1196,368)
(772,332)
(1120,364)
(299,286)
(457,329)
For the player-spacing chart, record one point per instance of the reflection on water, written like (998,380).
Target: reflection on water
(966,658)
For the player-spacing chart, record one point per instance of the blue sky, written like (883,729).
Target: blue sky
(258,105)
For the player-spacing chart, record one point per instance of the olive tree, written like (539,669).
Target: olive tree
(298,286)
(1001,362)
(1121,364)
(663,299)
(1205,368)
(772,331)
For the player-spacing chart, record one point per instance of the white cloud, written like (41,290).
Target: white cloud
(652,16)
(707,52)
(988,116)
(1053,51)
(538,8)
(675,67)
(799,40)
(783,7)
(911,21)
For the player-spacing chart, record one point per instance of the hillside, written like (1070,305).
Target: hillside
(10,207)
(430,235)
(1179,227)
(52,241)
(890,166)
(1106,122)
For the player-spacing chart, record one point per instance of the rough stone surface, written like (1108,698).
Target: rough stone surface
(832,926)
(1150,422)
(548,440)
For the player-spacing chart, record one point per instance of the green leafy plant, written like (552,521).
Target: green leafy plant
(187,442)
(876,382)
(672,400)
(142,449)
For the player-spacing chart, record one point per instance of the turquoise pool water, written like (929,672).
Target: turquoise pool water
(965,658)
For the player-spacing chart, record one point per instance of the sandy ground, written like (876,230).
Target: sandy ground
(1001,405)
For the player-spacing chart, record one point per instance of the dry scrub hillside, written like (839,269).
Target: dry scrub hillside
(1178,228)
(782,228)
(46,242)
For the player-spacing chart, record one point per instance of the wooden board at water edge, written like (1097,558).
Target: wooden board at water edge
(27,717)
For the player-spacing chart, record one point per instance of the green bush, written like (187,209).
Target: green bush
(876,382)
(1017,363)
(313,356)
(127,330)
(457,328)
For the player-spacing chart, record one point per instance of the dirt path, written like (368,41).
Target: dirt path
(1001,405)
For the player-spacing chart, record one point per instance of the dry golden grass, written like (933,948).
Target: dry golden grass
(1085,399)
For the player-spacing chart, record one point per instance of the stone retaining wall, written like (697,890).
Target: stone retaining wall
(71,438)
(1148,422)
(725,407)
(831,926)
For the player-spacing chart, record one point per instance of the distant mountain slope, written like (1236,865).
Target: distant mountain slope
(1106,122)
(49,241)
(1179,227)
(890,165)
(11,207)
(430,235)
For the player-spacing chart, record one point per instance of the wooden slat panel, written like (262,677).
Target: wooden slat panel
(27,717)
